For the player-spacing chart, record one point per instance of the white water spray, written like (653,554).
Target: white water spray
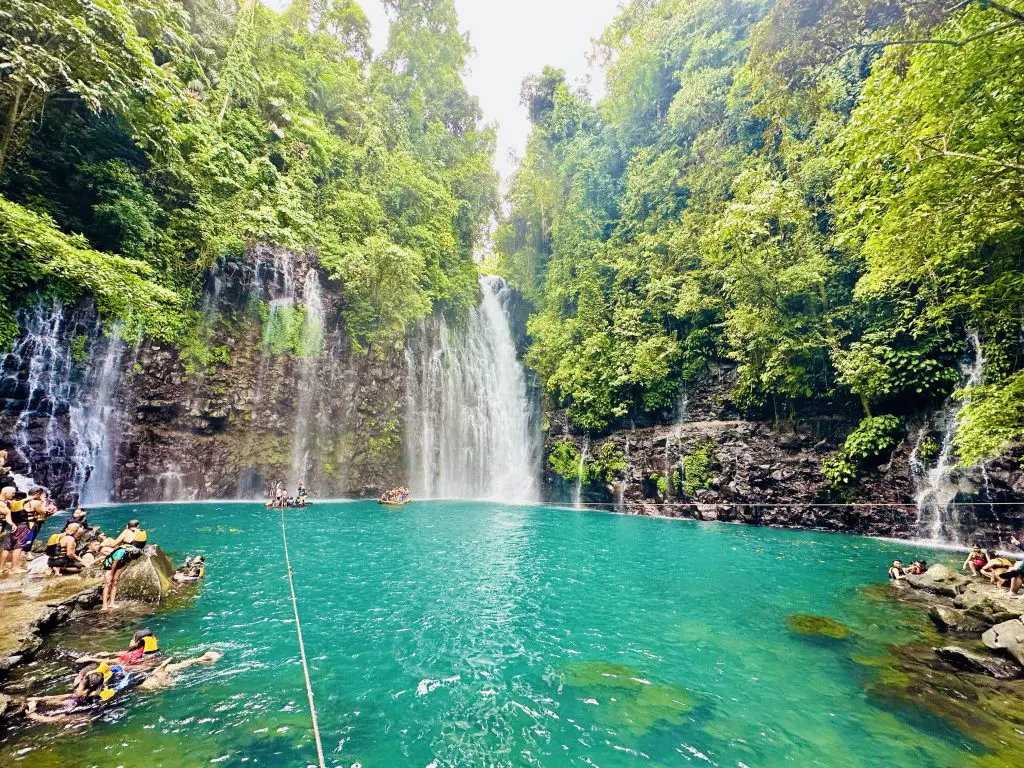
(939,486)
(469,419)
(91,423)
(577,493)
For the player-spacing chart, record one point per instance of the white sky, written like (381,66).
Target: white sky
(513,39)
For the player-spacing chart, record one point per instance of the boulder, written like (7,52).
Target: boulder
(941,580)
(817,626)
(148,578)
(948,619)
(1008,636)
(989,604)
(961,658)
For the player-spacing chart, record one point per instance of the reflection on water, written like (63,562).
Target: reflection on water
(461,633)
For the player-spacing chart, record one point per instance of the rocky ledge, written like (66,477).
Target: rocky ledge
(969,610)
(32,607)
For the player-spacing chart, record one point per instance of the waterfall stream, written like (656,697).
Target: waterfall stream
(469,418)
(577,492)
(310,342)
(91,422)
(939,486)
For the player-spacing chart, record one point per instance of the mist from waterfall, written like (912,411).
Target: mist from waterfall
(311,341)
(938,486)
(470,423)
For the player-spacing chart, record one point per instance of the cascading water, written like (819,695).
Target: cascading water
(938,486)
(91,420)
(577,492)
(310,343)
(469,418)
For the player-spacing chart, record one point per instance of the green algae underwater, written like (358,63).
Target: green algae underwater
(475,633)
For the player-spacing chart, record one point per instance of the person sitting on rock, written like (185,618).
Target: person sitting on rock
(1013,578)
(918,567)
(995,566)
(896,572)
(91,555)
(61,551)
(976,560)
(133,536)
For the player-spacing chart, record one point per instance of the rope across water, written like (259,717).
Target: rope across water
(302,647)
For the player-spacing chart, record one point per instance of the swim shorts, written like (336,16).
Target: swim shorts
(19,538)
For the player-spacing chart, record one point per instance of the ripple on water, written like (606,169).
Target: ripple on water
(462,633)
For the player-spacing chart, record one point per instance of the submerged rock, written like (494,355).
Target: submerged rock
(1008,636)
(941,580)
(817,626)
(948,619)
(961,658)
(148,578)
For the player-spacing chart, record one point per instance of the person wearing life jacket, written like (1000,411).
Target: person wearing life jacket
(133,535)
(193,570)
(143,651)
(37,507)
(95,687)
(17,519)
(61,551)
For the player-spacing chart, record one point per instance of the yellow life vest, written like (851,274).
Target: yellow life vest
(16,505)
(53,545)
(149,644)
(140,538)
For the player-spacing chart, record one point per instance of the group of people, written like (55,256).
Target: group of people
(395,496)
(997,569)
(77,547)
(105,677)
(898,571)
(279,498)
(1002,571)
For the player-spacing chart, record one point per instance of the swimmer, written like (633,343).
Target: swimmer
(193,570)
(143,651)
(163,676)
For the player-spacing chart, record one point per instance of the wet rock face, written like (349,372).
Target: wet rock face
(261,414)
(148,578)
(768,472)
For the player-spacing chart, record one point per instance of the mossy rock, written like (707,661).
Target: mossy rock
(817,626)
(625,698)
(148,578)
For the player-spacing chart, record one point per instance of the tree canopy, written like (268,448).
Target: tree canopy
(824,195)
(143,140)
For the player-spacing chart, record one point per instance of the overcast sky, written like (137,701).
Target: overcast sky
(514,39)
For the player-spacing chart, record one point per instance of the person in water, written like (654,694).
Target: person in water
(79,516)
(143,651)
(16,518)
(976,560)
(86,695)
(62,551)
(163,675)
(896,572)
(193,570)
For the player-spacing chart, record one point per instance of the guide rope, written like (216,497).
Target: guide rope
(302,647)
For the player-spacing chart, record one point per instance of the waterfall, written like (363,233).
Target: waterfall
(677,433)
(310,343)
(469,418)
(577,493)
(91,420)
(938,486)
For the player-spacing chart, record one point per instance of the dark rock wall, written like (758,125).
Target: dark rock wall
(229,431)
(768,472)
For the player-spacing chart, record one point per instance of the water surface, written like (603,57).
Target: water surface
(465,633)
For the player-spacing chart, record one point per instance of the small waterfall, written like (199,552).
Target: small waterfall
(310,343)
(91,423)
(620,488)
(675,435)
(577,493)
(938,486)
(469,417)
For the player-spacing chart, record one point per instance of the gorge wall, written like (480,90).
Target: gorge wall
(767,472)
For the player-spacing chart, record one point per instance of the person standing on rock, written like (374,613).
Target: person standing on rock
(16,517)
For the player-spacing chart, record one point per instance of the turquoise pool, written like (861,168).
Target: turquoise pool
(469,633)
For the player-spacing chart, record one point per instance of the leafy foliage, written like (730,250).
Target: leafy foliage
(697,466)
(821,195)
(178,131)
(873,436)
